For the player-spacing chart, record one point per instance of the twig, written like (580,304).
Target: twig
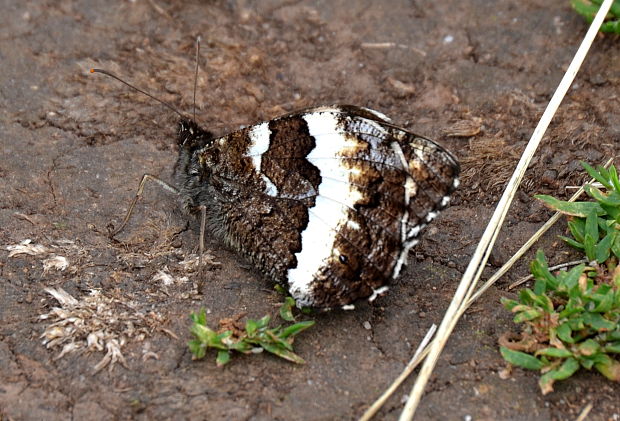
(478,261)
(24,217)
(169,333)
(584,413)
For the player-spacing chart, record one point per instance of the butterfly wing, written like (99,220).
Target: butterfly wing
(329,200)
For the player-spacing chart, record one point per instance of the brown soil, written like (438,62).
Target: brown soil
(74,146)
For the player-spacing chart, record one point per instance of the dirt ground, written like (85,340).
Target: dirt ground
(74,146)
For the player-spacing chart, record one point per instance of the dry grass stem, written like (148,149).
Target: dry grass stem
(584,413)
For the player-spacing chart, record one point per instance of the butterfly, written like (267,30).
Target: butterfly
(326,201)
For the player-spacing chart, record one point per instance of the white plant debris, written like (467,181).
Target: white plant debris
(53,260)
(26,247)
(164,277)
(190,263)
(95,323)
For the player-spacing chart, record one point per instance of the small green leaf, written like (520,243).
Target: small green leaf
(508,303)
(613,348)
(567,369)
(592,236)
(241,346)
(613,174)
(527,296)
(612,27)
(526,315)
(589,244)
(604,298)
(615,248)
(569,311)
(588,11)
(564,332)
(577,227)
(598,322)
(202,333)
(603,199)
(600,174)
(521,359)
(609,368)
(612,211)
(592,225)
(580,209)
(283,353)
(251,326)
(577,323)
(540,270)
(273,336)
(589,347)
(200,317)
(295,329)
(286,309)
(197,349)
(571,242)
(223,358)
(569,280)
(264,322)
(279,288)
(603,249)
(554,352)
(221,340)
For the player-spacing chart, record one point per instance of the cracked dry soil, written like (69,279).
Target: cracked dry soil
(74,146)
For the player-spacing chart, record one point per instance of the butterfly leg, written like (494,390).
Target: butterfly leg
(145,177)
(203,223)
(201,246)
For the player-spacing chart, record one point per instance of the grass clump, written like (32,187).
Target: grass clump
(570,319)
(255,337)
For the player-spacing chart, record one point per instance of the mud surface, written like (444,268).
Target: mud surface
(74,146)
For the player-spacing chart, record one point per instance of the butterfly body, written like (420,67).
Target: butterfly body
(326,201)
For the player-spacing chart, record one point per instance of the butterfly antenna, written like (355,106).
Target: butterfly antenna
(196,73)
(113,76)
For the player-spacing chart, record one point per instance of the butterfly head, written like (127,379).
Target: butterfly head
(191,136)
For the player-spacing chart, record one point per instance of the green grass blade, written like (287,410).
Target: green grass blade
(286,309)
(521,359)
(554,352)
(580,209)
(295,329)
(601,174)
(567,369)
(223,358)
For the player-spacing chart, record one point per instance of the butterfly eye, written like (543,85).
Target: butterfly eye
(343,258)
